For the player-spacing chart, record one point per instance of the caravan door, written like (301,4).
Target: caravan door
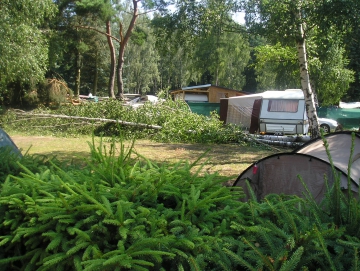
(283,116)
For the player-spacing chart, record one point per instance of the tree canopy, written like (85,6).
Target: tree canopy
(138,46)
(23,46)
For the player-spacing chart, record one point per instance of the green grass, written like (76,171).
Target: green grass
(227,159)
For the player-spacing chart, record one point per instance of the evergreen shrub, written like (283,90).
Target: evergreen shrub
(116,213)
(10,162)
(121,211)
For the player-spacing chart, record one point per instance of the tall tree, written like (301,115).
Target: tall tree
(125,32)
(141,60)
(104,11)
(344,15)
(124,39)
(112,59)
(289,22)
(277,68)
(205,31)
(125,29)
(223,56)
(23,46)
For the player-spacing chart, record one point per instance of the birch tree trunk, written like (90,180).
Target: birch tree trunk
(306,87)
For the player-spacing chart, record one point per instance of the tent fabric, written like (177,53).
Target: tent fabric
(255,121)
(349,105)
(240,109)
(339,148)
(281,173)
(6,141)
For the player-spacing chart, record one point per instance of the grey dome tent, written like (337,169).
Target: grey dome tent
(279,173)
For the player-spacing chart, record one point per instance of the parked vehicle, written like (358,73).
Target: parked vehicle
(140,100)
(329,125)
(271,112)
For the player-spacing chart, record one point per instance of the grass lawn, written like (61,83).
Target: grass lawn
(227,159)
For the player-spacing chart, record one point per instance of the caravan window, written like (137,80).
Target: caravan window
(281,105)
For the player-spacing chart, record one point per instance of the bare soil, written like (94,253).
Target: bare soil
(227,159)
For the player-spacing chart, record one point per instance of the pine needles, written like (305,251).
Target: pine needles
(122,211)
(119,212)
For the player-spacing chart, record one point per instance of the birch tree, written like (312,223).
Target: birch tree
(288,22)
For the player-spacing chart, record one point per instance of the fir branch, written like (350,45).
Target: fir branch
(292,264)
(54,259)
(324,249)
(193,264)
(237,258)
(77,247)
(93,264)
(55,243)
(97,204)
(263,258)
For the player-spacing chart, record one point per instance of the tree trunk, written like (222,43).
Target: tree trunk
(96,75)
(306,87)
(78,73)
(123,41)
(113,59)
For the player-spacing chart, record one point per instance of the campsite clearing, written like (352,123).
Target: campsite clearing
(227,159)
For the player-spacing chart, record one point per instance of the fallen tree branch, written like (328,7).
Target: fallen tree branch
(65,124)
(156,127)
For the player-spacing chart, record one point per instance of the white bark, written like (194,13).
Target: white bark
(314,127)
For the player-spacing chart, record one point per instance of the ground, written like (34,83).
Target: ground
(226,159)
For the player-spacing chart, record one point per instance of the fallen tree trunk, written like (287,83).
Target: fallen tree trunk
(143,125)
(280,143)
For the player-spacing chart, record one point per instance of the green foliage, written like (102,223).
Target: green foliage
(276,67)
(121,211)
(23,50)
(177,122)
(116,213)
(280,21)
(329,68)
(291,233)
(10,160)
(223,56)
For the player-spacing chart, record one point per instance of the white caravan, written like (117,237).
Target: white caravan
(271,112)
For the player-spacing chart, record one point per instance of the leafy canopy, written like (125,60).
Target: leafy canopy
(23,46)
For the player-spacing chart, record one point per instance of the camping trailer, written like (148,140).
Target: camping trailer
(278,112)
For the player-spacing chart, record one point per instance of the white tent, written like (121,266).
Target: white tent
(349,105)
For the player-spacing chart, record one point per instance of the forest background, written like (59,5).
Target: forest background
(112,47)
